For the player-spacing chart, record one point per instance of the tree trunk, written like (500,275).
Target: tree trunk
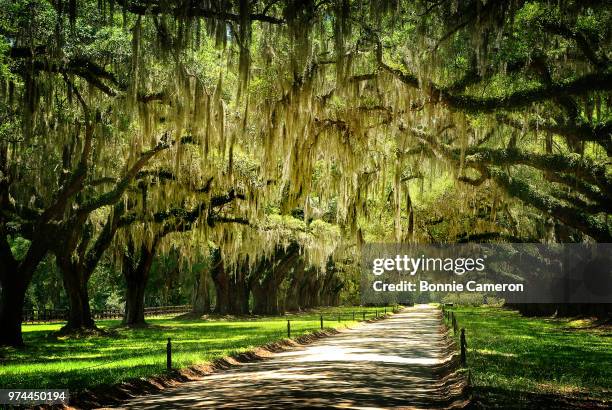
(330,286)
(15,277)
(201,299)
(232,291)
(265,294)
(265,297)
(136,275)
(75,284)
(134,302)
(221,280)
(292,300)
(310,292)
(238,294)
(265,289)
(12,297)
(232,294)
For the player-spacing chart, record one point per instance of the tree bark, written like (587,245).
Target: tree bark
(12,297)
(239,294)
(292,300)
(266,281)
(134,302)
(75,285)
(232,291)
(260,299)
(201,299)
(221,281)
(136,274)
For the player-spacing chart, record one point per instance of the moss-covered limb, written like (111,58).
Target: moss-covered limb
(583,169)
(112,196)
(591,192)
(474,181)
(105,238)
(181,218)
(599,60)
(215,219)
(575,164)
(221,200)
(600,133)
(410,177)
(520,99)
(491,236)
(86,69)
(572,170)
(576,201)
(194,9)
(568,215)
(74,182)
(406,78)
(472,75)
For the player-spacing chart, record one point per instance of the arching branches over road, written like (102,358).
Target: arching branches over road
(570,209)
(126,123)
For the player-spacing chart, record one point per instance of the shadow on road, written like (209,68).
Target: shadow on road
(405,361)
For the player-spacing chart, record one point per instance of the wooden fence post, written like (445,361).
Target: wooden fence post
(169,355)
(288,329)
(321,322)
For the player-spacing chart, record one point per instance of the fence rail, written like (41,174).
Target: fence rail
(451,322)
(324,318)
(322,321)
(61,315)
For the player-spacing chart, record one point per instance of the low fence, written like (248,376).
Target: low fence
(324,318)
(324,321)
(451,321)
(61,315)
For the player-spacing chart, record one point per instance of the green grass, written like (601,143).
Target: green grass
(78,363)
(517,356)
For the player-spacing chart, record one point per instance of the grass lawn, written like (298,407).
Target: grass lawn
(78,363)
(515,358)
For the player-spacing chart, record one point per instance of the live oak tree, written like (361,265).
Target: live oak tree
(338,106)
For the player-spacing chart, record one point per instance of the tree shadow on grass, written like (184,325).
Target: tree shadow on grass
(498,398)
(520,362)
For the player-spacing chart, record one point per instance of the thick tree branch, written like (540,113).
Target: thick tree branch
(548,204)
(570,164)
(569,215)
(600,133)
(112,196)
(580,39)
(519,99)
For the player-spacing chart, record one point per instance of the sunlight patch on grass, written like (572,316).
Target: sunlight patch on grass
(487,352)
(509,352)
(578,323)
